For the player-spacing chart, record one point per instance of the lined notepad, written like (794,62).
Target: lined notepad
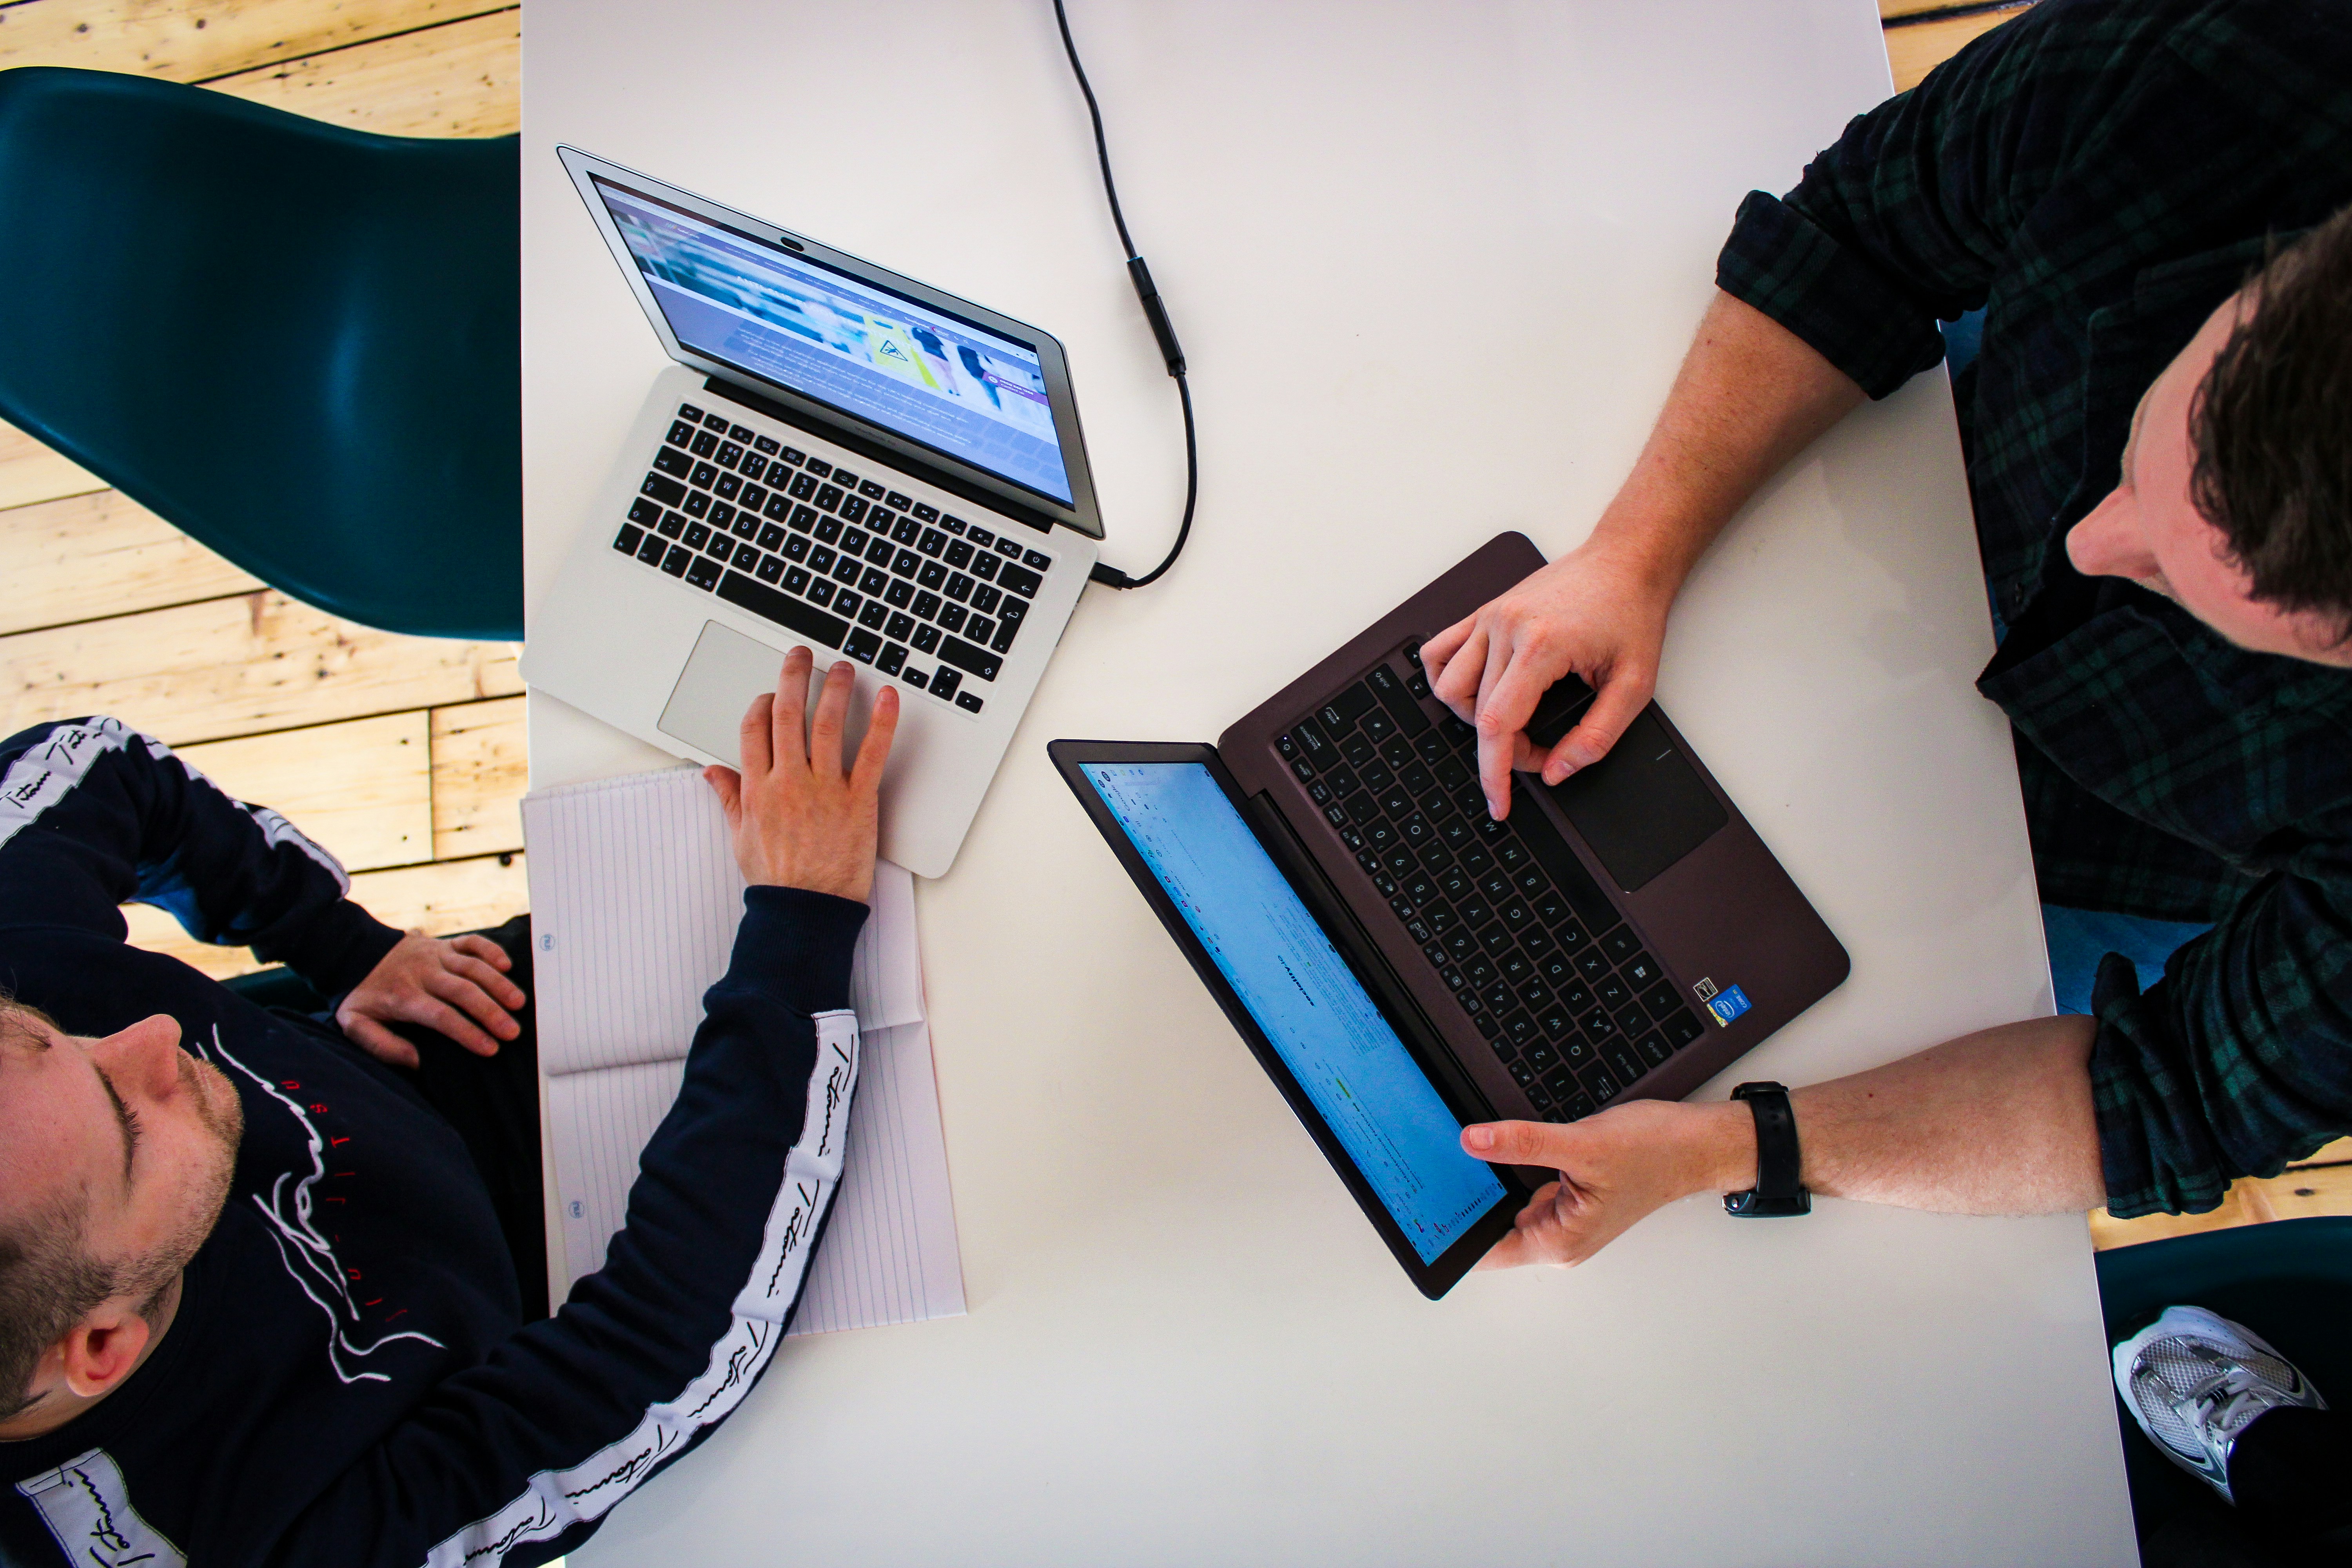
(634,900)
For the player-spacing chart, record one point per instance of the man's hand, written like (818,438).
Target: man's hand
(1750,396)
(1597,613)
(457,987)
(799,820)
(1613,1168)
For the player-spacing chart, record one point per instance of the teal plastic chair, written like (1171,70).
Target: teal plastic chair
(299,344)
(2290,1281)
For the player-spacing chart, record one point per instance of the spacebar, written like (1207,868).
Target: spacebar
(783,609)
(1584,894)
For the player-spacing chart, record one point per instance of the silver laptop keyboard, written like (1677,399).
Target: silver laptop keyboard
(834,555)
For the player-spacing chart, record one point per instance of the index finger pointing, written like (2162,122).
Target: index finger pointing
(790,718)
(1497,745)
(755,738)
(865,777)
(832,717)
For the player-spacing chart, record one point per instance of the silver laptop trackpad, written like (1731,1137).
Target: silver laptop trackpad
(726,670)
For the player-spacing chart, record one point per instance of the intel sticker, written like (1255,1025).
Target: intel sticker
(1728,1003)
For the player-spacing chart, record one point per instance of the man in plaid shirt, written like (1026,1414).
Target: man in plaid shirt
(2158,438)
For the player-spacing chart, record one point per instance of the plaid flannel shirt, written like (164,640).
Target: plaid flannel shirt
(2098,176)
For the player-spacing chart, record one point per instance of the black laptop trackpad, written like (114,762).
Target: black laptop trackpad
(1643,807)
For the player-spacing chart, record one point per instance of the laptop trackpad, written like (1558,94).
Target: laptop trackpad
(726,670)
(1643,807)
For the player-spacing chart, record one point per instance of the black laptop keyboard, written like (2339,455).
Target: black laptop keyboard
(837,557)
(1532,949)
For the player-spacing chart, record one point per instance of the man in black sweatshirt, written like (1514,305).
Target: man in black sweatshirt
(255,1304)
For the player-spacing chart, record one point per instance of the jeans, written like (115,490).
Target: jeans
(2078,939)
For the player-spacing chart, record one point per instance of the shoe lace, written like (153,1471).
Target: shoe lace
(2227,1402)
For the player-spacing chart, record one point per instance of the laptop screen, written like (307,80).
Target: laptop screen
(1355,1070)
(955,387)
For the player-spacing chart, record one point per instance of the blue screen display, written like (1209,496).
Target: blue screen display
(1359,1077)
(957,388)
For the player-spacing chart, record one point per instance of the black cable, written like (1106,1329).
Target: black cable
(1155,313)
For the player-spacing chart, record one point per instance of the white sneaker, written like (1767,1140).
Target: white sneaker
(2194,1381)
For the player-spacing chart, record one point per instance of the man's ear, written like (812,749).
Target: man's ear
(98,1352)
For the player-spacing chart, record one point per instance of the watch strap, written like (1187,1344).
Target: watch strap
(1779,1163)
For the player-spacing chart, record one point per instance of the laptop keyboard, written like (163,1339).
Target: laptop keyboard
(1533,951)
(835,556)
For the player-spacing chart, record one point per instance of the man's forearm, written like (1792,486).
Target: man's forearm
(1749,397)
(1998,1122)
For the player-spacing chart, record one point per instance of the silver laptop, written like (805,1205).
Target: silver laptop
(842,457)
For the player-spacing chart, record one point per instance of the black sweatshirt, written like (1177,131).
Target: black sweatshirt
(348,1382)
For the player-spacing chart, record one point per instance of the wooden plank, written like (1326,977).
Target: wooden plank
(1916,50)
(236,667)
(102,554)
(461,78)
(30,472)
(156,932)
(449,896)
(196,41)
(479,774)
(363,789)
(2301,1193)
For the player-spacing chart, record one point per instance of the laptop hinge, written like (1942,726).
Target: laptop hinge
(979,496)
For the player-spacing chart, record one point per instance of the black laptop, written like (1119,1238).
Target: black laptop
(1402,964)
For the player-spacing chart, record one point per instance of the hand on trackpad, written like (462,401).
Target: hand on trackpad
(726,670)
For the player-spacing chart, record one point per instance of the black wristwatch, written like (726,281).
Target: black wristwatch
(1777,1191)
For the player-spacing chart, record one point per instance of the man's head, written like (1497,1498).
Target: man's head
(115,1159)
(2236,494)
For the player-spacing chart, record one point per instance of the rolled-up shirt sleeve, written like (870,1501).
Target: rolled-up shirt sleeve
(2235,1062)
(1903,220)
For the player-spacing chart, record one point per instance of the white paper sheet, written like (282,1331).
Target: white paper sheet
(634,900)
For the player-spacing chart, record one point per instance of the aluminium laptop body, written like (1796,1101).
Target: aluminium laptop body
(842,458)
(1625,934)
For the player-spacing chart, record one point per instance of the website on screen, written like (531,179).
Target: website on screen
(957,388)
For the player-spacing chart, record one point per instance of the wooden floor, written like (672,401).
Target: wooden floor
(404,755)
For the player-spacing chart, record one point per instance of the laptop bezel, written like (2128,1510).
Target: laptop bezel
(1434,1279)
(1080,513)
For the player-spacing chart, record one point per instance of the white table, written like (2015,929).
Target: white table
(1433,265)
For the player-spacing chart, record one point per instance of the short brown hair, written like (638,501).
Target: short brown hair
(47,1284)
(2271,428)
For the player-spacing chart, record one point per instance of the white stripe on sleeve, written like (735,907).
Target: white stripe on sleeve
(47,771)
(553,1501)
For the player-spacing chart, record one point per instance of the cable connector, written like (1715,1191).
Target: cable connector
(1156,313)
